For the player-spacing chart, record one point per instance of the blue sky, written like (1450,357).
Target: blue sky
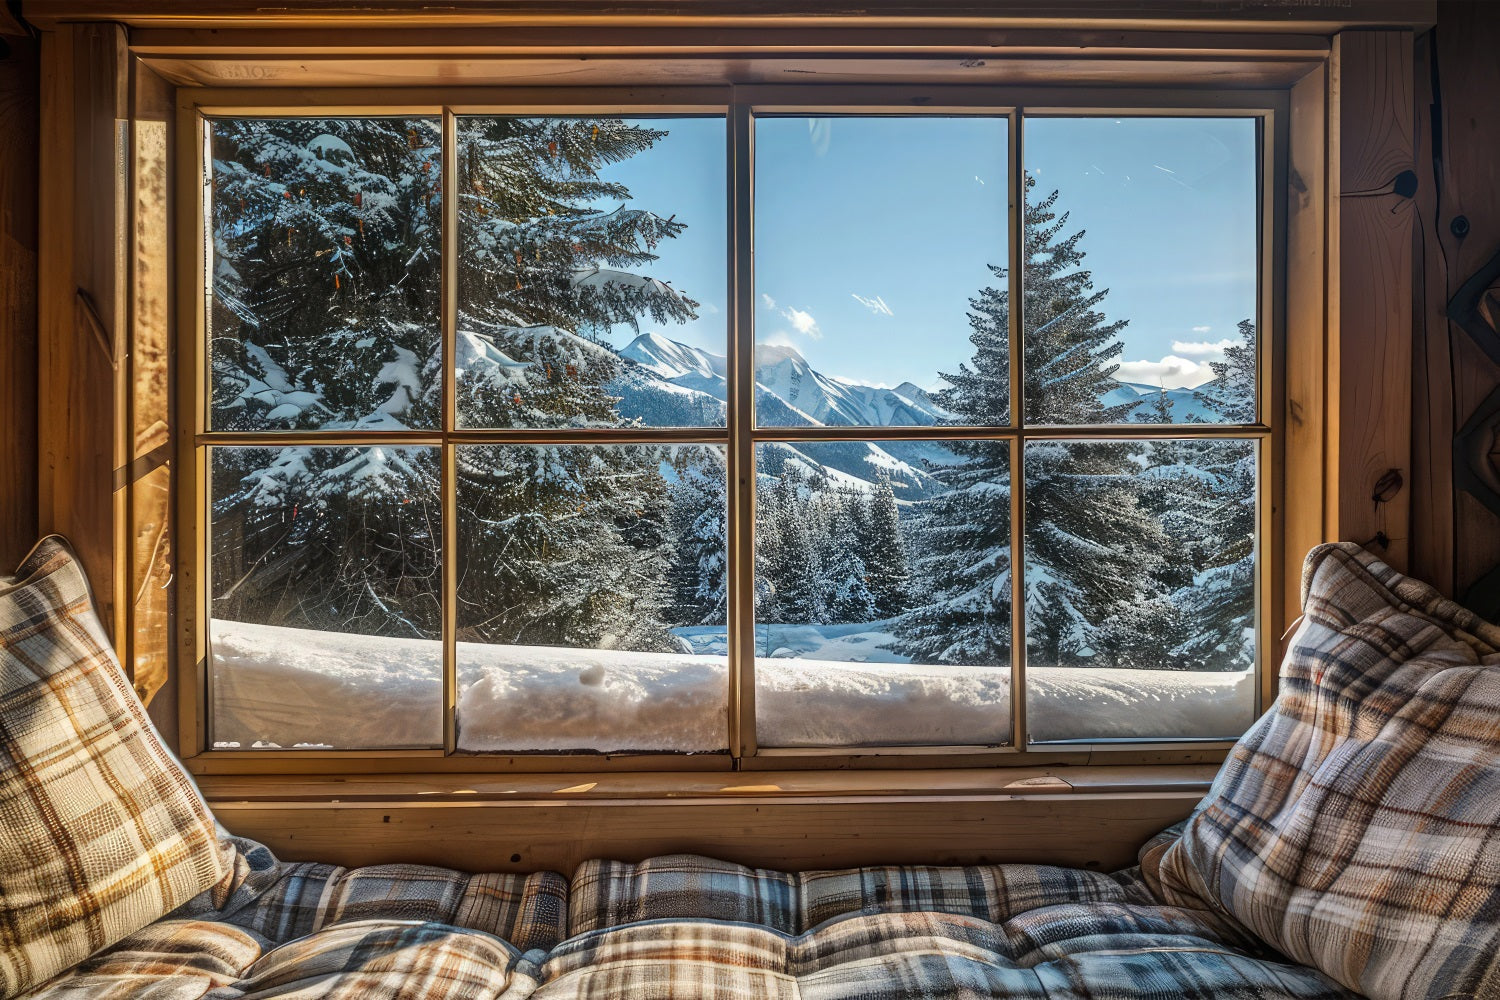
(872,233)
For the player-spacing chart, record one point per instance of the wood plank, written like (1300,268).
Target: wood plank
(1306,364)
(663,785)
(333,70)
(1100,831)
(148,476)
(1373,126)
(1266,15)
(81,301)
(19,96)
(1469,77)
(1433,548)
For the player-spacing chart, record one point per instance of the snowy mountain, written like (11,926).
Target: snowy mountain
(1186,403)
(666,383)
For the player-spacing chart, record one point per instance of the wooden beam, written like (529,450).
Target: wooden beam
(1256,15)
(1306,362)
(1372,127)
(1094,817)
(81,301)
(19,82)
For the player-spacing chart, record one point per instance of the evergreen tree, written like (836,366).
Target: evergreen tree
(326,296)
(844,591)
(701,572)
(883,550)
(1090,545)
(1231,394)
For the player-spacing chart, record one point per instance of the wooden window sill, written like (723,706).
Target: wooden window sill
(1093,817)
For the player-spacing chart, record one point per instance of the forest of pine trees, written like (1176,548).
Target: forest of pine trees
(326,284)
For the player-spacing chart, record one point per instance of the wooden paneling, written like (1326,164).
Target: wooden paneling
(1306,418)
(81,301)
(1458,536)
(1373,123)
(18,316)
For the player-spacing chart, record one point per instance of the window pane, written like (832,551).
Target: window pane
(1141,277)
(325,582)
(1140,589)
(882,593)
(591,598)
(880,249)
(591,272)
(324,275)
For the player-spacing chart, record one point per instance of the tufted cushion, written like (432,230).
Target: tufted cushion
(101,831)
(690,927)
(1356,827)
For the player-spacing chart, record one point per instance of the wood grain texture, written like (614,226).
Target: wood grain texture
(1305,421)
(1433,540)
(19,83)
(1468,38)
(81,292)
(1373,126)
(148,475)
(1100,831)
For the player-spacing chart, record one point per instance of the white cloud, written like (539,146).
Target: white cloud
(876,305)
(1170,372)
(1193,347)
(770,302)
(802,322)
(1202,329)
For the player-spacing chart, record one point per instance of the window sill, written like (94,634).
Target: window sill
(1089,816)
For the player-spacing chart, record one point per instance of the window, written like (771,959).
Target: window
(712,429)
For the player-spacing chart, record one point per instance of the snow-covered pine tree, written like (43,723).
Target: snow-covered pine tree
(844,590)
(883,550)
(1231,394)
(1090,545)
(325,284)
(326,299)
(700,570)
(548,554)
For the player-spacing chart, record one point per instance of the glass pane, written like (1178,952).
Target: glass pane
(592,588)
(880,255)
(1140,589)
(324,273)
(882,593)
(591,272)
(1140,278)
(326,613)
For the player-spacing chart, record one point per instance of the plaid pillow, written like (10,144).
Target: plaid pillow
(101,830)
(1356,827)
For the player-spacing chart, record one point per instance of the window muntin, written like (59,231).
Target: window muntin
(772,434)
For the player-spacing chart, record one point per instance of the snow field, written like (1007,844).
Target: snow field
(288,687)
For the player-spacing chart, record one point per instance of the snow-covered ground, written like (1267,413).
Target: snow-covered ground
(821,686)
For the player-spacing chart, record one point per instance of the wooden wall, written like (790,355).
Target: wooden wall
(18,328)
(1456,497)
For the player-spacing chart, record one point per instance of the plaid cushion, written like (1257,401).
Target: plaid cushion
(1356,827)
(1100,955)
(685,886)
(169,960)
(101,830)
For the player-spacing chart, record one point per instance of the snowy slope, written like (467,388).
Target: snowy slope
(287,686)
(1186,405)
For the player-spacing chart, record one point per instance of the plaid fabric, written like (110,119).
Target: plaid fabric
(1356,827)
(1100,955)
(286,900)
(683,886)
(388,959)
(101,830)
(169,960)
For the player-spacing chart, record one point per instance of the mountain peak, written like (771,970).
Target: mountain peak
(768,355)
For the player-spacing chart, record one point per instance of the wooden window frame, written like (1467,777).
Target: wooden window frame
(738,105)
